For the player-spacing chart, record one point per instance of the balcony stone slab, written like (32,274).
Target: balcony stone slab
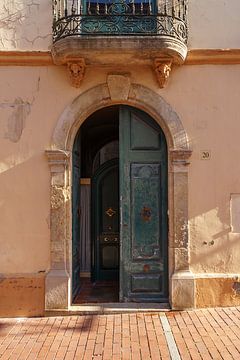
(118,50)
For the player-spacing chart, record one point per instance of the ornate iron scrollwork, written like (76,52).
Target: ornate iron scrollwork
(120,17)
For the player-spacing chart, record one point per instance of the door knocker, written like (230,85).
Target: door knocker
(110,212)
(146,214)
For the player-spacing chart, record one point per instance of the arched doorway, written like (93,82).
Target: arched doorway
(58,283)
(120,152)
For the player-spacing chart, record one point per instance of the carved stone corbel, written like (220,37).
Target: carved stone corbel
(76,70)
(180,157)
(162,69)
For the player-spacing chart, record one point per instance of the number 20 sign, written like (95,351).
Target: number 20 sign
(205,154)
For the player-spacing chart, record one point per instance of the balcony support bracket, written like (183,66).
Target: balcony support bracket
(76,70)
(162,69)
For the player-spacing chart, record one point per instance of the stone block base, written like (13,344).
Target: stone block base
(183,290)
(213,292)
(57,290)
(22,296)
(191,291)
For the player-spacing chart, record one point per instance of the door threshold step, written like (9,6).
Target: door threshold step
(109,308)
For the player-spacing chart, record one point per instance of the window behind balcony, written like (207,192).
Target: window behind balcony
(119,7)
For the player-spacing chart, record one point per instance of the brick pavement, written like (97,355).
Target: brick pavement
(199,335)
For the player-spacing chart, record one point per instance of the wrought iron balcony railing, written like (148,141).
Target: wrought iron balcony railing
(120,18)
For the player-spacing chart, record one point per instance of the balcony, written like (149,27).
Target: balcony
(119,32)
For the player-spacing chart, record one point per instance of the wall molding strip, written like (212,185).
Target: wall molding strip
(213,57)
(25,58)
(194,57)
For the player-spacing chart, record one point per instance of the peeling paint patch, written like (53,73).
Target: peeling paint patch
(213,292)
(236,287)
(48,221)
(22,296)
(16,121)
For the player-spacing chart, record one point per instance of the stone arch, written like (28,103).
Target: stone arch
(58,279)
(138,96)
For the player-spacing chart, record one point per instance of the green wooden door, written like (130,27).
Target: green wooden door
(106,221)
(76,217)
(143,203)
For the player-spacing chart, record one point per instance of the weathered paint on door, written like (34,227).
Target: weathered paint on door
(105,205)
(76,216)
(143,202)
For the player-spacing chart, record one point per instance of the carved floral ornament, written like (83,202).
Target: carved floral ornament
(162,69)
(59,196)
(76,70)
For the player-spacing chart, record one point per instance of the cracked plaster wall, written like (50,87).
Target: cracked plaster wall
(27,24)
(214,24)
(211,114)
(31,101)
(19,110)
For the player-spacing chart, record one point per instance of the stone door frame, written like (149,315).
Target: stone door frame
(58,279)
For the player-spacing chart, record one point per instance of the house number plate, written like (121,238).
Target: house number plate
(205,154)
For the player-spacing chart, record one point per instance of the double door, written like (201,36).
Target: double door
(131,229)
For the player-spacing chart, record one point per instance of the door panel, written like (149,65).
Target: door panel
(145,201)
(106,221)
(76,217)
(150,140)
(143,189)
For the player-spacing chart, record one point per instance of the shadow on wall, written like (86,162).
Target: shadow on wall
(213,251)
(24,206)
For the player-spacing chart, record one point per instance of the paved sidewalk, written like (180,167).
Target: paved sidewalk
(200,334)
